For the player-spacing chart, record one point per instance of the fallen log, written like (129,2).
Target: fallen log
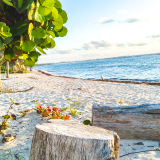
(68,140)
(129,122)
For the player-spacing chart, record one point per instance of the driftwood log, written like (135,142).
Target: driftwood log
(129,122)
(68,140)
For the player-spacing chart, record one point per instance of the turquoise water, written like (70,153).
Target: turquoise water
(137,68)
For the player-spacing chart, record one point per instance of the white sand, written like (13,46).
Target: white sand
(56,90)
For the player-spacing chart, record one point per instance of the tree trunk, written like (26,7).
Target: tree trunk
(130,122)
(68,140)
(7,76)
(30,68)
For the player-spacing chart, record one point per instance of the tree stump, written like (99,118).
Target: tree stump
(68,140)
(129,122)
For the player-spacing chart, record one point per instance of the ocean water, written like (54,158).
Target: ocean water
(145,68)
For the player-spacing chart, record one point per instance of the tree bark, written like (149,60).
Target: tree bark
(68,140)
(130,122)
(7,76)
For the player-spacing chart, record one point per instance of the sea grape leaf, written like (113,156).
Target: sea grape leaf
(64,16)
(13,116)
(8,2)
(51,44)
(29,62)
(7,40)
(6,116)
(34,56)
(28,46)
(41,50)
(48,2)
(87,122)
(9,54)
(58,4)
(11,100)
(38,17)
(20,2)
(54,13)
(63,32)
(58,24)
(23,56)
(30,28)
(44,10)
(51,33)
(24,6)
(19,28)
(1,43)
(38,33)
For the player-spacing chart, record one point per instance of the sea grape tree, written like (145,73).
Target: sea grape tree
(27,27)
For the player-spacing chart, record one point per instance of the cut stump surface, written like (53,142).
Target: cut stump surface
(68,140)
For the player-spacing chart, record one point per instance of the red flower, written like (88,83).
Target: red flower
(48,107)
(49,110)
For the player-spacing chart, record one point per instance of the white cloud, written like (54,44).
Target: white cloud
(64,51)
(96,45)
(134,19)
(104,21)
(122,11)
(154,36)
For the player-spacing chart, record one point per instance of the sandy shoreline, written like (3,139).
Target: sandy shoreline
(56,90)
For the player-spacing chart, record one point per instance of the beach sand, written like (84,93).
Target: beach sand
(56,90)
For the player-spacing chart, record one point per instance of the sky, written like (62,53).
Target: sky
(107,28)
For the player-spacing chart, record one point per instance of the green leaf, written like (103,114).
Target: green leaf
(24,6)
(41,50)
(38,17)
(45,42)
(51,44)
(20,2)
(63,32)
(28,46)
(19,28)
(58,23)
(51,33)
(2,24)
(8,2)
(87,122)
(64,16)
(5,34)
(23,56)
(34,56)
(38,33)
(29,62)
(48,2)
(58,4)
(30,28)
(44,10)
(54,13)
(9,54)
(1,44)
(7,40)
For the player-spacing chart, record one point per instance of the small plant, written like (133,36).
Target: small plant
(87,122)
(77,103)
(42,101)
(69,99)
(55,113)
(5,124)
(73,111)
(10,156)
(24,113)
(34,100)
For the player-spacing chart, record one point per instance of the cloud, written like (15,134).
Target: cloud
(137,44)
(134,20)
(96,45)
(104,21)
(154,36)
(122,11)
(64,51)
